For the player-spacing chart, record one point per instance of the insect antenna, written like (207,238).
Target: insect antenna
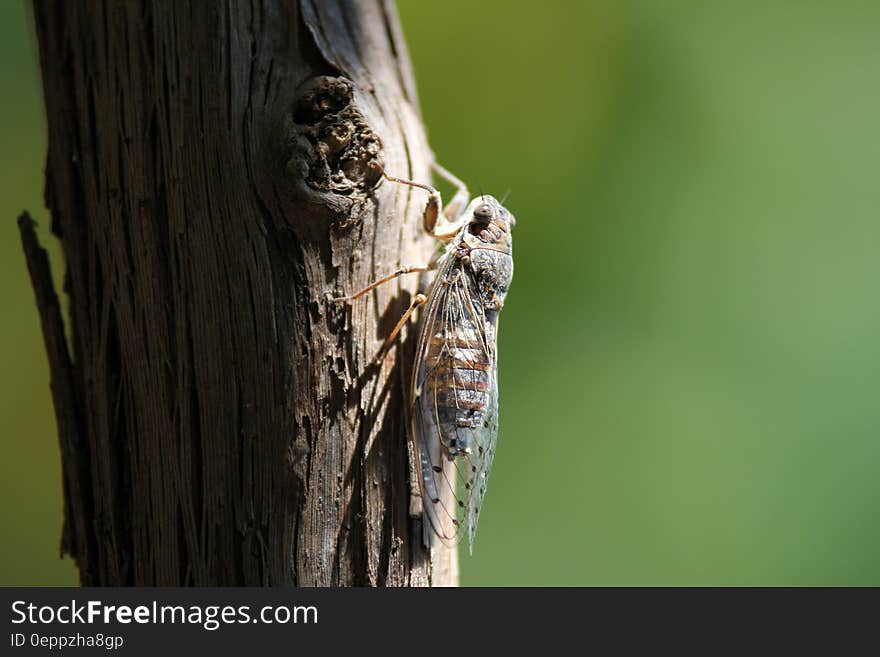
(504,198)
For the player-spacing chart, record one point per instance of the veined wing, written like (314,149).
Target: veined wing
(455,402)
(480,460)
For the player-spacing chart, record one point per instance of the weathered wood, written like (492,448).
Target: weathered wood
(211,176)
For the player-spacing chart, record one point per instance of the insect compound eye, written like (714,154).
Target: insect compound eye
(483,212)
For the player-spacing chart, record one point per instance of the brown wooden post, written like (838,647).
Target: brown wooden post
(211,176)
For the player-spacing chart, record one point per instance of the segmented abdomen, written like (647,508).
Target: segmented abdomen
(459,383)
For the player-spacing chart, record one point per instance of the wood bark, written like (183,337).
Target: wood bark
(211,176)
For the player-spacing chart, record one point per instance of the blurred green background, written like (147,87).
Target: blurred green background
(691,347)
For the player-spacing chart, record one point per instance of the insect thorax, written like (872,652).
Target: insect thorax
(493,271)
(488,249)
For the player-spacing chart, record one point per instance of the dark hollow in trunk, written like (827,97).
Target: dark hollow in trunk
(211,176)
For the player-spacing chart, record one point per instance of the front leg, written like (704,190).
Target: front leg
(452,215)
(453,211)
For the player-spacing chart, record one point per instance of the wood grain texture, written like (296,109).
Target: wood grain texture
(211,178)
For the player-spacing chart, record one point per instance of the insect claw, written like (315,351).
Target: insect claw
(379,357)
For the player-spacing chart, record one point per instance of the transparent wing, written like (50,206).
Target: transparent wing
(455,404)
(480,461)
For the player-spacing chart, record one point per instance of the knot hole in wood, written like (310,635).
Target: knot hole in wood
(336,150)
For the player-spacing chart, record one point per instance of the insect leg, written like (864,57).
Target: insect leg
(432,209)
(418,300)
(385,279)
(435,204)
(459,202)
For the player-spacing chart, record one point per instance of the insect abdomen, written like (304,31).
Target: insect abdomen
(460,384)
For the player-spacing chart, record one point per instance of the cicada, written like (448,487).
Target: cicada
(453,400)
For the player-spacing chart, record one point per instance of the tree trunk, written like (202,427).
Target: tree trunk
(211,176)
